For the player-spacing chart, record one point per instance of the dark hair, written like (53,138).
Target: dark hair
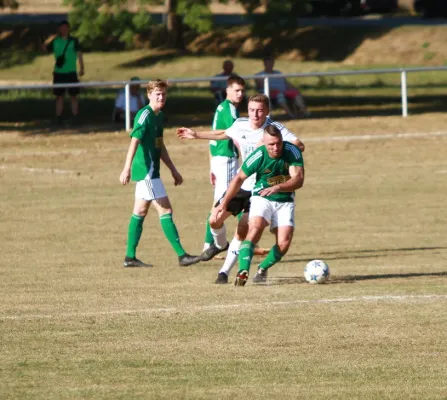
(64,22)
(272,130)
(260,98)
(235,79)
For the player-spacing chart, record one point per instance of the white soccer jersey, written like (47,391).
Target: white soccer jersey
(248,140)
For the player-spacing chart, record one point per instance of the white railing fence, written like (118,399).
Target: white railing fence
(402,71)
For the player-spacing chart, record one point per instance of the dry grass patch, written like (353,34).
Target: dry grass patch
(75,324)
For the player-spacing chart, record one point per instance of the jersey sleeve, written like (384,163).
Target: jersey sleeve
(139,124)
(252,163)
(287,136)
(294,155)
(232,131)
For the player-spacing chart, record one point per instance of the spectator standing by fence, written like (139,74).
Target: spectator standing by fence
(67,52)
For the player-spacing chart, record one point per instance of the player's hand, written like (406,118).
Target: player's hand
(212,179)
(186,133)
(217,212)
(269,191)
(125,176)
(178,179)
(81,71)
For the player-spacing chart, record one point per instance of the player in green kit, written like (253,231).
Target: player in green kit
(143,166)
(223,153)
(279,170)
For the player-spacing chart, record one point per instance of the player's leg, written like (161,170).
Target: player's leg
(233,249)
(163,207)
(257,225)
(140,209)
(282,226)
(260,216)
(218,232)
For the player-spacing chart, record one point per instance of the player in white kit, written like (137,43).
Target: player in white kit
(247,134)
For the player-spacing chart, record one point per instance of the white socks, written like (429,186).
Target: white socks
(220,237)
(232,256)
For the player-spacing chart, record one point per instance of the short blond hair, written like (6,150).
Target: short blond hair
(156,84)
(260,98)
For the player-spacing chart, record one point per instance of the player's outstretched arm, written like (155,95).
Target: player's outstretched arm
(187,133)
(125,174)
(164,155)
(295,182)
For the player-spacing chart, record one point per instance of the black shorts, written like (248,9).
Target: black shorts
(70,77)
(239,203)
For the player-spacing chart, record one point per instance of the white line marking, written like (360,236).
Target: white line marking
(51,170)
(223,307)
(373,137)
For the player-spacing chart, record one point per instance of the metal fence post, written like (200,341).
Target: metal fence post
(127,97)
(267,91)
(403,88)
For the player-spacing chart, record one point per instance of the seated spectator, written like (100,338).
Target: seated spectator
(219,88)
(281,91)
(137,101)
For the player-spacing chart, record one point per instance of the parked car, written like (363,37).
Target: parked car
(431,8)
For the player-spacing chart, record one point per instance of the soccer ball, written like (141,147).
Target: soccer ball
(316,271)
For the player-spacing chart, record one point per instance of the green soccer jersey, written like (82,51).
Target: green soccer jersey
(57,46)
(272,171)
(148,129)
(226,113)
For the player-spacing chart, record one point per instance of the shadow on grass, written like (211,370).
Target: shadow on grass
(293,280)
(152,59)
(190,107)
(359,254)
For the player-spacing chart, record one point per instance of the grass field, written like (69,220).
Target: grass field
(75,324)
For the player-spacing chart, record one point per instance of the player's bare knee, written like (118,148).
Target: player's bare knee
(283,246)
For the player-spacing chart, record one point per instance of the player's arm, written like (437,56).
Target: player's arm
(295,182)
(298,143)
(187,133)
(164,156)
(125,175)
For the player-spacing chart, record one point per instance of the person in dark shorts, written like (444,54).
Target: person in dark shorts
(67,52)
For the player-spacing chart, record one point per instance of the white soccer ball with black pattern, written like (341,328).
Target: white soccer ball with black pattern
(316,271)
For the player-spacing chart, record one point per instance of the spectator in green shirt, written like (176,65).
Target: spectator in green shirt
(67,52)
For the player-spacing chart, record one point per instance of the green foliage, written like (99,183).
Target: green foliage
(12,4)
(94,23)
(196,14)
(280,16)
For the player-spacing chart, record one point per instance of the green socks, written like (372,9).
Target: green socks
(272,258)
(208,236)
(134,234)
(170,231)
(245,255)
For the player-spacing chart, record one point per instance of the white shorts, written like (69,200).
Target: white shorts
(150,189)
(274,212)
(224,169)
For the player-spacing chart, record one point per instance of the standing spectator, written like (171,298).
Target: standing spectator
(219,88)
(281,90)
(137,101)
(67,51)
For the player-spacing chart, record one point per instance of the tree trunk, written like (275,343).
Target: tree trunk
(174,25)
